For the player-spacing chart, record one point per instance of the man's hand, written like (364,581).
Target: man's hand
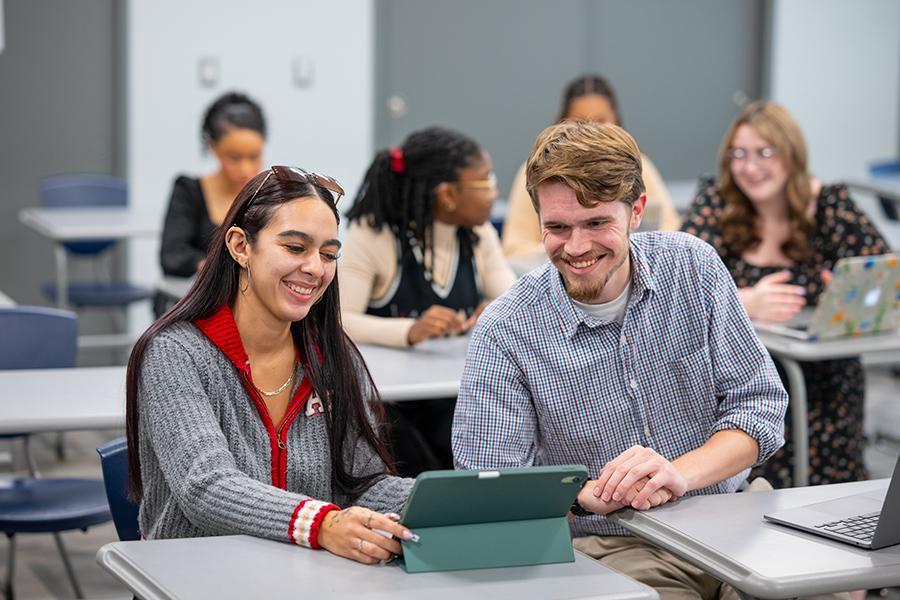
(620,477)
(591,502)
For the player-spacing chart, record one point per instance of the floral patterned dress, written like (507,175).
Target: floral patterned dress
(835,388)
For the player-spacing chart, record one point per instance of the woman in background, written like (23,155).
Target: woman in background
(421,261)
(588,98)
(780,231)
(234,130)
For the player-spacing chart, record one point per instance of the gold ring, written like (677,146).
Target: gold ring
(369,521)
(360,544)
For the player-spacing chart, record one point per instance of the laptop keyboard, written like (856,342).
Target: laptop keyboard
(860,527)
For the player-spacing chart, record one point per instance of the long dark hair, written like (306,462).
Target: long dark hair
(588,85)
(398,191)
(340,376)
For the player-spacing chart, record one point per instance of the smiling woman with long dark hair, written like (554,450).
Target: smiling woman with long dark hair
(249,411)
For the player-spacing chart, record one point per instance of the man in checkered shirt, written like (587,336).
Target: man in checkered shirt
(628,353)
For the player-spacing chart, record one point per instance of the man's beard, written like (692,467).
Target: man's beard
(583,291)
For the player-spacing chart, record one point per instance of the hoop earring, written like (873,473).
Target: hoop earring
(244,288)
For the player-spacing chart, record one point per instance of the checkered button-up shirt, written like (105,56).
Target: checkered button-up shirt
(545,383)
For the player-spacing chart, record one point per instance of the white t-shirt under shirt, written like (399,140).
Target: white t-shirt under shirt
(614,310)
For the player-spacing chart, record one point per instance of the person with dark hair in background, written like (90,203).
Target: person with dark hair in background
(422,257)
(780,231)
(421,261)
(587,98)
(234,130)
(249,410)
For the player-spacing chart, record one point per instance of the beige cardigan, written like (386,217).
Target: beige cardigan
(522,229)
(368,266)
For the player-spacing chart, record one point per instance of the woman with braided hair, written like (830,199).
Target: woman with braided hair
(421,261)
(421,258)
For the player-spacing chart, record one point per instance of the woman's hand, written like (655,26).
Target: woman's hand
(470,322)
(349,533)
(773,299)
(436,322)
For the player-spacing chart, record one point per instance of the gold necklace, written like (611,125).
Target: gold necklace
(280,389)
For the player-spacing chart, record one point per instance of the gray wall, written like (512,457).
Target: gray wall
(496,70)
(58,100)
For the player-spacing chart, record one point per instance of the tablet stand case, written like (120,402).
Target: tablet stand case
(496,542)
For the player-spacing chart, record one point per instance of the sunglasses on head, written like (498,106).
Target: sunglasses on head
(297,175)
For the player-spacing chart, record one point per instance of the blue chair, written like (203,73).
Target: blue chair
(890,168)
(114,460)
(34,338)
(85,190)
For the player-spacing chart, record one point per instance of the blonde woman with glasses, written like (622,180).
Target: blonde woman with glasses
(779,231)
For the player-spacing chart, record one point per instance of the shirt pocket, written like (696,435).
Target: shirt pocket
(693,399)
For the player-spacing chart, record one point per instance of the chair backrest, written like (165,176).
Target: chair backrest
(885,168)
(35,337)
(84,190)
(114,461)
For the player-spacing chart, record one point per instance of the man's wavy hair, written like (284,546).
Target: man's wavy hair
(774,124)
(600,162)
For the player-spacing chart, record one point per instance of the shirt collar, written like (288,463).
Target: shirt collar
(642,281)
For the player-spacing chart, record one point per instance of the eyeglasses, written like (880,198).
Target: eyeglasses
(297,175)
(489,184)
(763,154)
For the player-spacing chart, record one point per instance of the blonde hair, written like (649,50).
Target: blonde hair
(600,162)
(774,124)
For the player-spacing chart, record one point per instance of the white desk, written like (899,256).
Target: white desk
(430,370)
(885,186)
(176,287)
(242,567)
(791,352)
(94,397)
(37,400)
(725,536)
(82,225)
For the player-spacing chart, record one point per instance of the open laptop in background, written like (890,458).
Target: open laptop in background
(870,520)
(863,298)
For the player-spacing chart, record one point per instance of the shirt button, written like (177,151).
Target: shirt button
(647,430)
(634,384)
(622,339)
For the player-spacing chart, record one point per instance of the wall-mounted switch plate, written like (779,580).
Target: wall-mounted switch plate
(208,71)
(303,71)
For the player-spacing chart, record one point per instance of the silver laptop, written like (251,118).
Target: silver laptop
(870,520)
(863,298)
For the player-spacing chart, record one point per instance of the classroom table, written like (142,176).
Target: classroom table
(247,567)
(84,224)
(725,535)
(429,370)
(174,287)
(790,352)
(887,186)
(39,400)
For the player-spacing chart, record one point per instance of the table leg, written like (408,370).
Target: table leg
(62,277)
(800,416)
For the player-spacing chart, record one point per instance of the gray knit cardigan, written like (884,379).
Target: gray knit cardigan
(207,453)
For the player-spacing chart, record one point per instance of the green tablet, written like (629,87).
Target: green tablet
(492,518)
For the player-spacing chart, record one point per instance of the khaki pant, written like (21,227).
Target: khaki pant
(671,577)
